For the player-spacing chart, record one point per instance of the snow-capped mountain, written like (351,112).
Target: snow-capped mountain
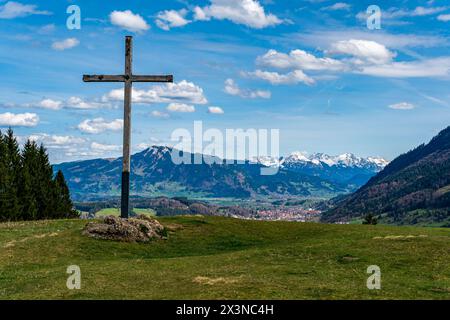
(344,168)
(321,159)
(343,160)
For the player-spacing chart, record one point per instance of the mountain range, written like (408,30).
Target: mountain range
(412,189)
(348,169)
(154,174)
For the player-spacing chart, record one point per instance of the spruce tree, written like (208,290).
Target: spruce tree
(3,179)
(28,189)
(64,203)
(30,179)
(370,219)
(12,177)
(45,186)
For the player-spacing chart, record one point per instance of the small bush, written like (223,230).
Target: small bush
(370,219)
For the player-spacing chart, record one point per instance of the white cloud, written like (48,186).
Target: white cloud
(19,119)
(338,6)
(159,114)
(182,91)
(60,146)
(425,11)
(180,107)
(50,104)
(200,15)
(355,56)
(47,29)
(145,145)
(435,100)
(374,59)
(215,110)
(298,59)
(71,103)
(171,19)
(82,153)
(69,148)
(99,125)
(364,51)
(394,41)
(293,77)
(65,44)
(402,106)
(88,152)
(444,17)
(56,141)
(142,146)
(128,21)
(436,67)
(246,12)
(13,9)
(233,89)
(79,103)
(95,146)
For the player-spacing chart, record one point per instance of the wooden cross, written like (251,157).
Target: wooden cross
(128,78)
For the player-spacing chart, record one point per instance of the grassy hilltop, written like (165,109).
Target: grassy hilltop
(223,258)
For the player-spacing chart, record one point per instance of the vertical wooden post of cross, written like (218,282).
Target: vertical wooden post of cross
(125,198)
(128,78)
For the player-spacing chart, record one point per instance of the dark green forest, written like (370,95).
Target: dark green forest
(28,188)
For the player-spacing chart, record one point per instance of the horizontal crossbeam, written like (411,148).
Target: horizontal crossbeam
(168,78)
(124,78)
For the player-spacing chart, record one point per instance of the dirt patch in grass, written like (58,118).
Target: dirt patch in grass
(37,236)
(172,227)
(400,237)
(214,281)
(440,290)
(18,224)
(347,258)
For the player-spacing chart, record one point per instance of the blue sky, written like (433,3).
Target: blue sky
(311,68)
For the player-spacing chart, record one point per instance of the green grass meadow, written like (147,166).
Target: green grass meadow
(224,258)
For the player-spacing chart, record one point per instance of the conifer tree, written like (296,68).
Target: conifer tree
(44,186)
(29,181)
(12,177)
(3,179)
(64,203)
(370,219)
(28,189)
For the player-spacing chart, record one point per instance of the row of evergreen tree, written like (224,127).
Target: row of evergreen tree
(28,188)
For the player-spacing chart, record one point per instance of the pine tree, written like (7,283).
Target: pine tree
(28,190)
(45,186)
(3,179)
(370,219)
(30,176)
(64,203)
(12,176)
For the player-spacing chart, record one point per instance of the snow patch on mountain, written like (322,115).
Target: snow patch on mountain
(322,159)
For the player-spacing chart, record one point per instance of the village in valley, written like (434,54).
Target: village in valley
(289,214)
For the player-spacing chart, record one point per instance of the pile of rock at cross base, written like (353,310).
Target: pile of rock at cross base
(139,229)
